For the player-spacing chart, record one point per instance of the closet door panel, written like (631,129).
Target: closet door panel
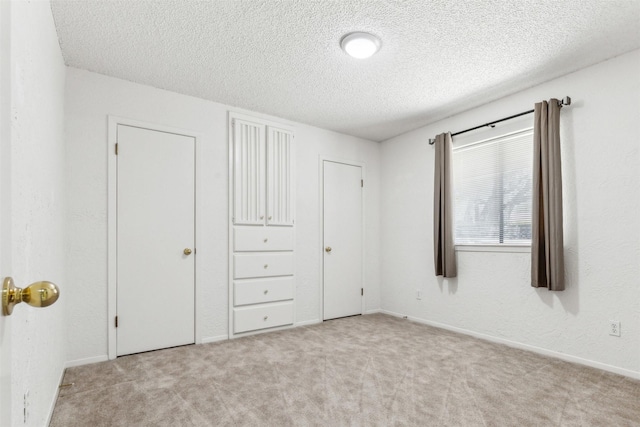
(248,172)
(279,177)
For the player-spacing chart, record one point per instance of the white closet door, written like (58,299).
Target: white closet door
(342,194)
(156,223)
(279,181)
(249,172)
(5,213)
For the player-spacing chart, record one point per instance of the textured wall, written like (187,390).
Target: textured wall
(90,98)
(38,206)
(492,296)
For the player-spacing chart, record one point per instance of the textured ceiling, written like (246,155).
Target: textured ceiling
(283,58)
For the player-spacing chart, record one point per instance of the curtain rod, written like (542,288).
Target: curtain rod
(565,101)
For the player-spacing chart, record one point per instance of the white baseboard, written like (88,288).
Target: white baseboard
(85,361)
(70,364)
(52,406)
(373,311)
(217,338)
(522,346)
(308,322)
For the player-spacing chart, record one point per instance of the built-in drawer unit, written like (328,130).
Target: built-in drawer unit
(246,266)
(262,290)
(262,239)
(262,316)
(256,291)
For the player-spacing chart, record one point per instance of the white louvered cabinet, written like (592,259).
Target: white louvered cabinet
(279,185)
(248,172)
(262,225)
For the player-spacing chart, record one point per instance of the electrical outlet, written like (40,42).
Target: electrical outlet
(418,294)
(614,328)
(25,406)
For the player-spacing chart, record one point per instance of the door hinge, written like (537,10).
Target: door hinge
(361,291)
(362,183)
(116,149)
(116,321)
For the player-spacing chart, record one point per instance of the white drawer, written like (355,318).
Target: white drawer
(262,265)
(262,239)
(264,316)
(262,290)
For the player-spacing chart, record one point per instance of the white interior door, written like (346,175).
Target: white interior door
(5,271)
(155,229)
(342,194)
(5,212)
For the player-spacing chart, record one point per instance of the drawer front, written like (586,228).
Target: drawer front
(262,239)
(262,290)
(262,265)
(260,317)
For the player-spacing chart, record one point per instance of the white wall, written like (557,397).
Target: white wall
(38,207)
(492,297)
(90,97)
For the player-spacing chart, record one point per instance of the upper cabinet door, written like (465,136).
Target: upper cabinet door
(249,172)
(279,177)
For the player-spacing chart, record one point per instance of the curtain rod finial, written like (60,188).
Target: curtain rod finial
(566,100)
(432,141)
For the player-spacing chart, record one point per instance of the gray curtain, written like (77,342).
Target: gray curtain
(547,258)
(443,245)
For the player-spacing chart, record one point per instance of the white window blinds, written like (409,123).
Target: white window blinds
(492,190)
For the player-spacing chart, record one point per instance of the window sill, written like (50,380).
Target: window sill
(493,248)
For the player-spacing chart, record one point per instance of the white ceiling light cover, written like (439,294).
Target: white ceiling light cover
(360,45)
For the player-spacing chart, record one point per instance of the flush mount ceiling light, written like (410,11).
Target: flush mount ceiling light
(360,45)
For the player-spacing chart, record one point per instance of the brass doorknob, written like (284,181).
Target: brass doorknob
(38,294)
(187,251)
(327,249)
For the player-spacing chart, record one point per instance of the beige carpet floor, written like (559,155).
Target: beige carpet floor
(372,370)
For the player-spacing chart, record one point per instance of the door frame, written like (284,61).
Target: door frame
(112,217)
(362,165)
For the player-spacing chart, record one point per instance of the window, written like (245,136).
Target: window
(492,190)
